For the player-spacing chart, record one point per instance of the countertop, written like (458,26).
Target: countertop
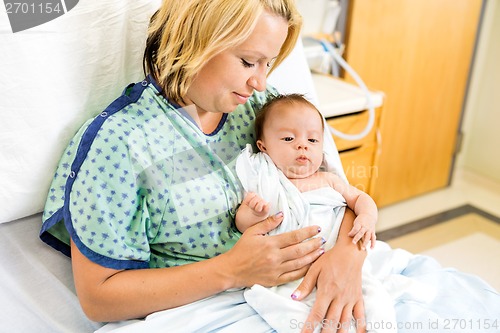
(337,97)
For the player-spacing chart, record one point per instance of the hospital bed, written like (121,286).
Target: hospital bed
(52,78)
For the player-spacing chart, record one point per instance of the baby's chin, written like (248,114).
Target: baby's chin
(298,171)
(298,175)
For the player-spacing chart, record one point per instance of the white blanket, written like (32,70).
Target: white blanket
(427,298)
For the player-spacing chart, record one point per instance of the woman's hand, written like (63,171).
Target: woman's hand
(337,277)
(272,260)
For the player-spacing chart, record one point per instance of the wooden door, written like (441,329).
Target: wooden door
(418,52)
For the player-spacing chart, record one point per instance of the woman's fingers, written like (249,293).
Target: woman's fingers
(299,250)
(287,256)
(345,322)
(335,317)
(292,255)
(287,240)
(359,317)
(318,316)
(293,275)
(291,238)
(307,285)
(298,267)
(262,228)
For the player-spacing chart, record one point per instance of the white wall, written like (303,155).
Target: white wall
(481,126)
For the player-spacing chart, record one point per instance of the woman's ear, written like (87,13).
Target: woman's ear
(261,146)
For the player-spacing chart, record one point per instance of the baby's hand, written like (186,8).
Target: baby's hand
(364,229)
(259,207)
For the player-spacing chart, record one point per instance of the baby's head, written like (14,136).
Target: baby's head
(289,129)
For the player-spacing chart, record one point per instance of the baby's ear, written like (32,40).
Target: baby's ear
(261,146)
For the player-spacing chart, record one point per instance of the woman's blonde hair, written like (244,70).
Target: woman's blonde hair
(185,34)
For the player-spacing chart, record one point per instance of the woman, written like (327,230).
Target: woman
(149,183)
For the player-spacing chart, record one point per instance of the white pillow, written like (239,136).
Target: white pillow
(55,76)
(293,75)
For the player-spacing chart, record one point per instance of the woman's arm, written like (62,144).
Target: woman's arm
(337,276)
(111,295)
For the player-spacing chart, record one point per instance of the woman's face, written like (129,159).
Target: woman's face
(230,77)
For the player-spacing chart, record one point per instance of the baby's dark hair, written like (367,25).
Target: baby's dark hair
(289,99)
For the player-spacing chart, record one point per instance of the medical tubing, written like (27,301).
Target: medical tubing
(371,110)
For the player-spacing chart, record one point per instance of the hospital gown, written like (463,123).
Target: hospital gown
(127,184)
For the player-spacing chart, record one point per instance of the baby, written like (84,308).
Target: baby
(285,177)
(289,130)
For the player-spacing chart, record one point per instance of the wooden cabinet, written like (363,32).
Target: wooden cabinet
(359,157)
(418,52)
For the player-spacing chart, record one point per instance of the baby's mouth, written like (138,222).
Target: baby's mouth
(302,159)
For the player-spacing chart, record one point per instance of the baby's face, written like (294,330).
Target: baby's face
(293,138)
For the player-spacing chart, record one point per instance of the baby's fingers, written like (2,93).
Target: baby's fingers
(260,206)
(256,202)
(266,207)
(358,236)
(248,197)
(355,230)
(369,239)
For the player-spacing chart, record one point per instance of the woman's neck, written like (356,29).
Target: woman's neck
(208,121)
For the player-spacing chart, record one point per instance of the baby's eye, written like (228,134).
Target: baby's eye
(287,139)
(246,63)
(313,140)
